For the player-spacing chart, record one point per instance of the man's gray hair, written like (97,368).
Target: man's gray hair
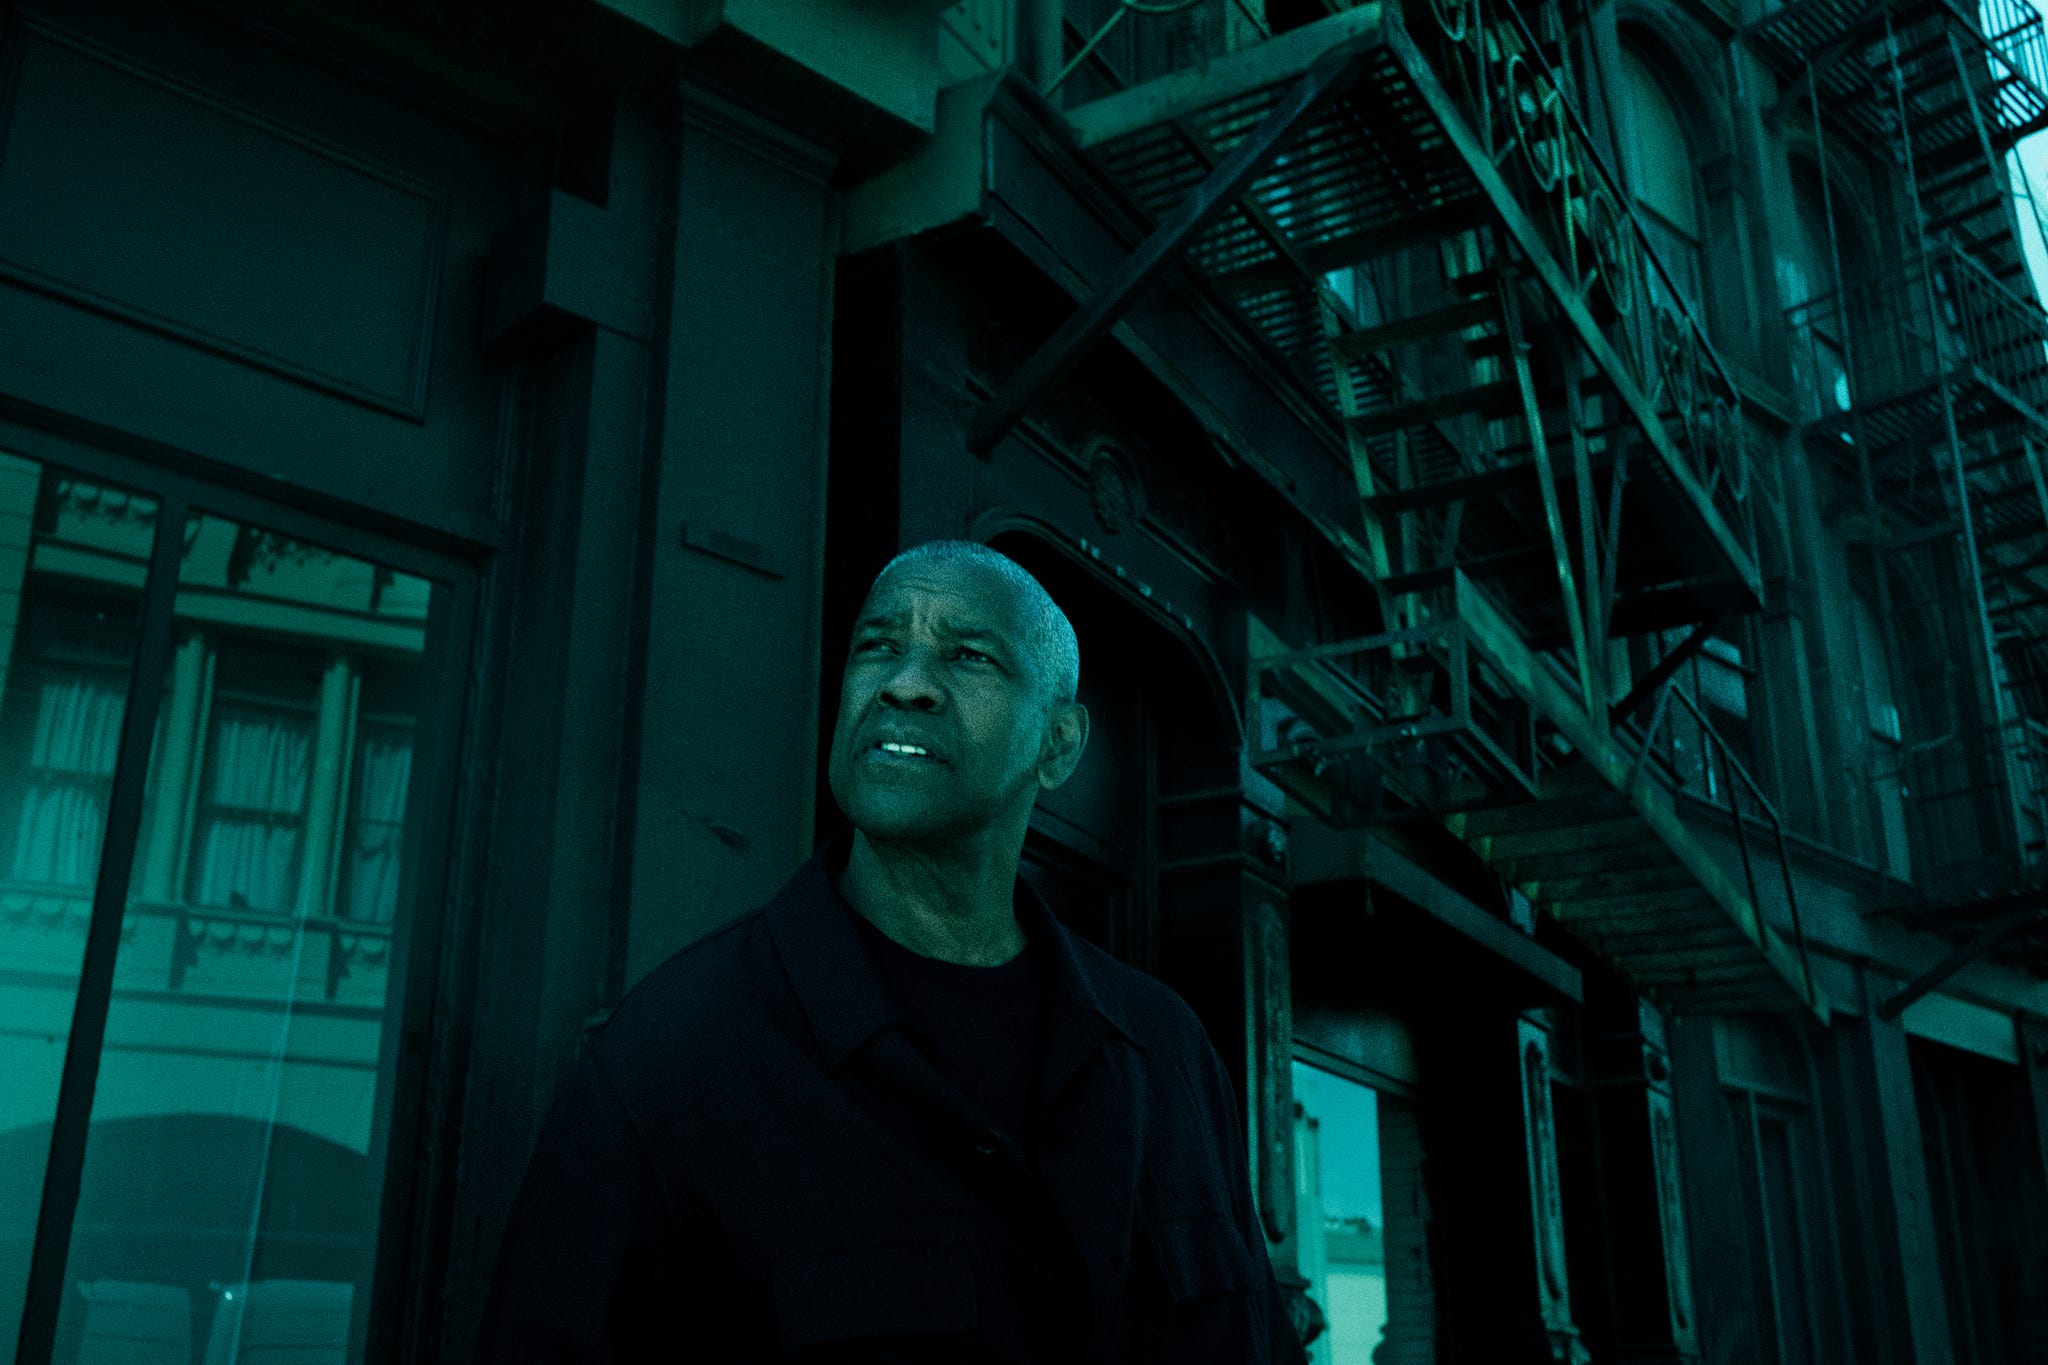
(1050,636)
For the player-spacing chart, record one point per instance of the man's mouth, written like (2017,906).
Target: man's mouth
(907,752)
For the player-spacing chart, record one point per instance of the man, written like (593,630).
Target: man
(899,1113)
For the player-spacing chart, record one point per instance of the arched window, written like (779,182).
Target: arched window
(1665,189)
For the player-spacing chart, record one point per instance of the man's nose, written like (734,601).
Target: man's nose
(913,683)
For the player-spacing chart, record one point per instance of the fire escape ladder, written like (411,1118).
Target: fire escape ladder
(1972,206)
(1544,447)
(1937,288)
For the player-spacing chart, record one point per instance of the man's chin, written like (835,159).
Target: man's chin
(884,820)
(893,827)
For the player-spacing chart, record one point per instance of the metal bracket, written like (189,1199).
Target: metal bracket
(2006,926)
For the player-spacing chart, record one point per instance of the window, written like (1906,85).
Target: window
(231,1145)
(376,828)
(1127,46)
(252,811)
(67,687)
(1665,190)
(1887,750)
(1721,680)
(1810,283)
(1718,677)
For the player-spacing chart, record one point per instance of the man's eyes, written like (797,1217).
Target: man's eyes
(962,652)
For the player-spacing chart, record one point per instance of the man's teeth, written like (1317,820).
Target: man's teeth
(904,749)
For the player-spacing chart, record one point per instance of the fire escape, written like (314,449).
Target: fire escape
(1940,416)
(1547,453)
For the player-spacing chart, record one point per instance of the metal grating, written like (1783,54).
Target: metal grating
(1590,859)
(1787,36)
(1356,180)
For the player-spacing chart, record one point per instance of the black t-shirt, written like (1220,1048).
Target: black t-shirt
(979,1025)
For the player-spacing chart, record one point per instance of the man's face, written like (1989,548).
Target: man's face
(939,661)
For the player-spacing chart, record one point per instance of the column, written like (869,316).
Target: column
(1223,945)
(2034,1263)
(728,712)
(1911,1306)
(321,847)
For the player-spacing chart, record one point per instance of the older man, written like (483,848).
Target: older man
(899,1113)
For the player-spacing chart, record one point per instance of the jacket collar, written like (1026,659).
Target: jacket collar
(842,993)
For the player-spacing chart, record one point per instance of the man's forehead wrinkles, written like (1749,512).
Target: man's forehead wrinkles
(942,625)
(944,609)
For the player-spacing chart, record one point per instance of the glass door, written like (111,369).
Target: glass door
(227,905)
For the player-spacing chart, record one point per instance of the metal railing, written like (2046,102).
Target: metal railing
(1519,106)
(1423,706)
(1142,10)
(1671,775)
(1900,348)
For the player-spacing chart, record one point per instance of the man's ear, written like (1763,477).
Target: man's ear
(1066,735)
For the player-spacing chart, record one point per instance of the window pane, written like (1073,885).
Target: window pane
(1880,704)
(73,556)
(228,1209)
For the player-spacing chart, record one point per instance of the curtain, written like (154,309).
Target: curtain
(248,844)
(70,771)
(376,829)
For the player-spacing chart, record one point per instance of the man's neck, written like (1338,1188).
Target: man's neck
(957,907)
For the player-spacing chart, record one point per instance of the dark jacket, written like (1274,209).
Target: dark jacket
(753,1162)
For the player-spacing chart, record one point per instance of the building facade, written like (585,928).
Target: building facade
(1550,497)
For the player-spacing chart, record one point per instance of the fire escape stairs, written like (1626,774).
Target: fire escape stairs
(1570,473)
